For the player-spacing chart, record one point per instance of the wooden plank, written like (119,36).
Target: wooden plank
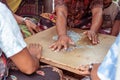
(71,60)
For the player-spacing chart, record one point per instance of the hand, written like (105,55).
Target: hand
(84,70)
(33,28)
(35,50)
(92,36)
(61,43)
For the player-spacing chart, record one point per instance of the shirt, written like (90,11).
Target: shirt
(108,68)
(11,40)
(109,14)
(78,9)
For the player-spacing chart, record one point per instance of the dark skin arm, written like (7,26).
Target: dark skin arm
(115,29)
(96,23)
(61,26)
(61,23)
(29,56)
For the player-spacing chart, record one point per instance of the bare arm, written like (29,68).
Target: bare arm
(115,28)
(96,19)
(61,21)
(96,23)
(28,61)
(32,27)
(61,25)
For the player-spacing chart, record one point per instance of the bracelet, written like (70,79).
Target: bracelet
(25,18)
(90,67)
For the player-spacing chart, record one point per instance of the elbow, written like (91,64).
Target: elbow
(29,71)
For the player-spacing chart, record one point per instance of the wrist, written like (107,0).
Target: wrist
(63,35)
(25,19)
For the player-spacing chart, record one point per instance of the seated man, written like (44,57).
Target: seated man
(71,12)
(15,49)
(110,11)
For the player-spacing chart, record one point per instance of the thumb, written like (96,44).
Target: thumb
(71,42)
(85,32)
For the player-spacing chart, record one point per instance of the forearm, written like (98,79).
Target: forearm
(61,21)
(115,28)
(96,19)
(24,57)
(19,19)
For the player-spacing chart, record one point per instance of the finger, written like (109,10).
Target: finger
(89,36)
(31,31)
(65,46)
(51,46)
(37,45)
(85,33)
(37,29)
(54,48)
(29,45)
(71,42)
(94,39)
(58,48)
(84,69)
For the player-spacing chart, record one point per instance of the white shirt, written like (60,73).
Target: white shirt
(109,67)
(11,40)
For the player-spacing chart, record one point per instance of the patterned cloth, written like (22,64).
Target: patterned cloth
(45,72)
(107,69)
(79,11)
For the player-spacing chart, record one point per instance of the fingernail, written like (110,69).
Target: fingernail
(57,50)
(65,48)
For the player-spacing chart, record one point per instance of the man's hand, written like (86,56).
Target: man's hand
(33,28)
(62,43)
(35,50)
(92,36)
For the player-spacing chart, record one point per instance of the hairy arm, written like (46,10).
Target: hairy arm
(25,62)
(61,26)
(96,23)
(96,19)
(61,21)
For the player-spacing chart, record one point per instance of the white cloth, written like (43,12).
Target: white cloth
(11,40)
(108,68)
